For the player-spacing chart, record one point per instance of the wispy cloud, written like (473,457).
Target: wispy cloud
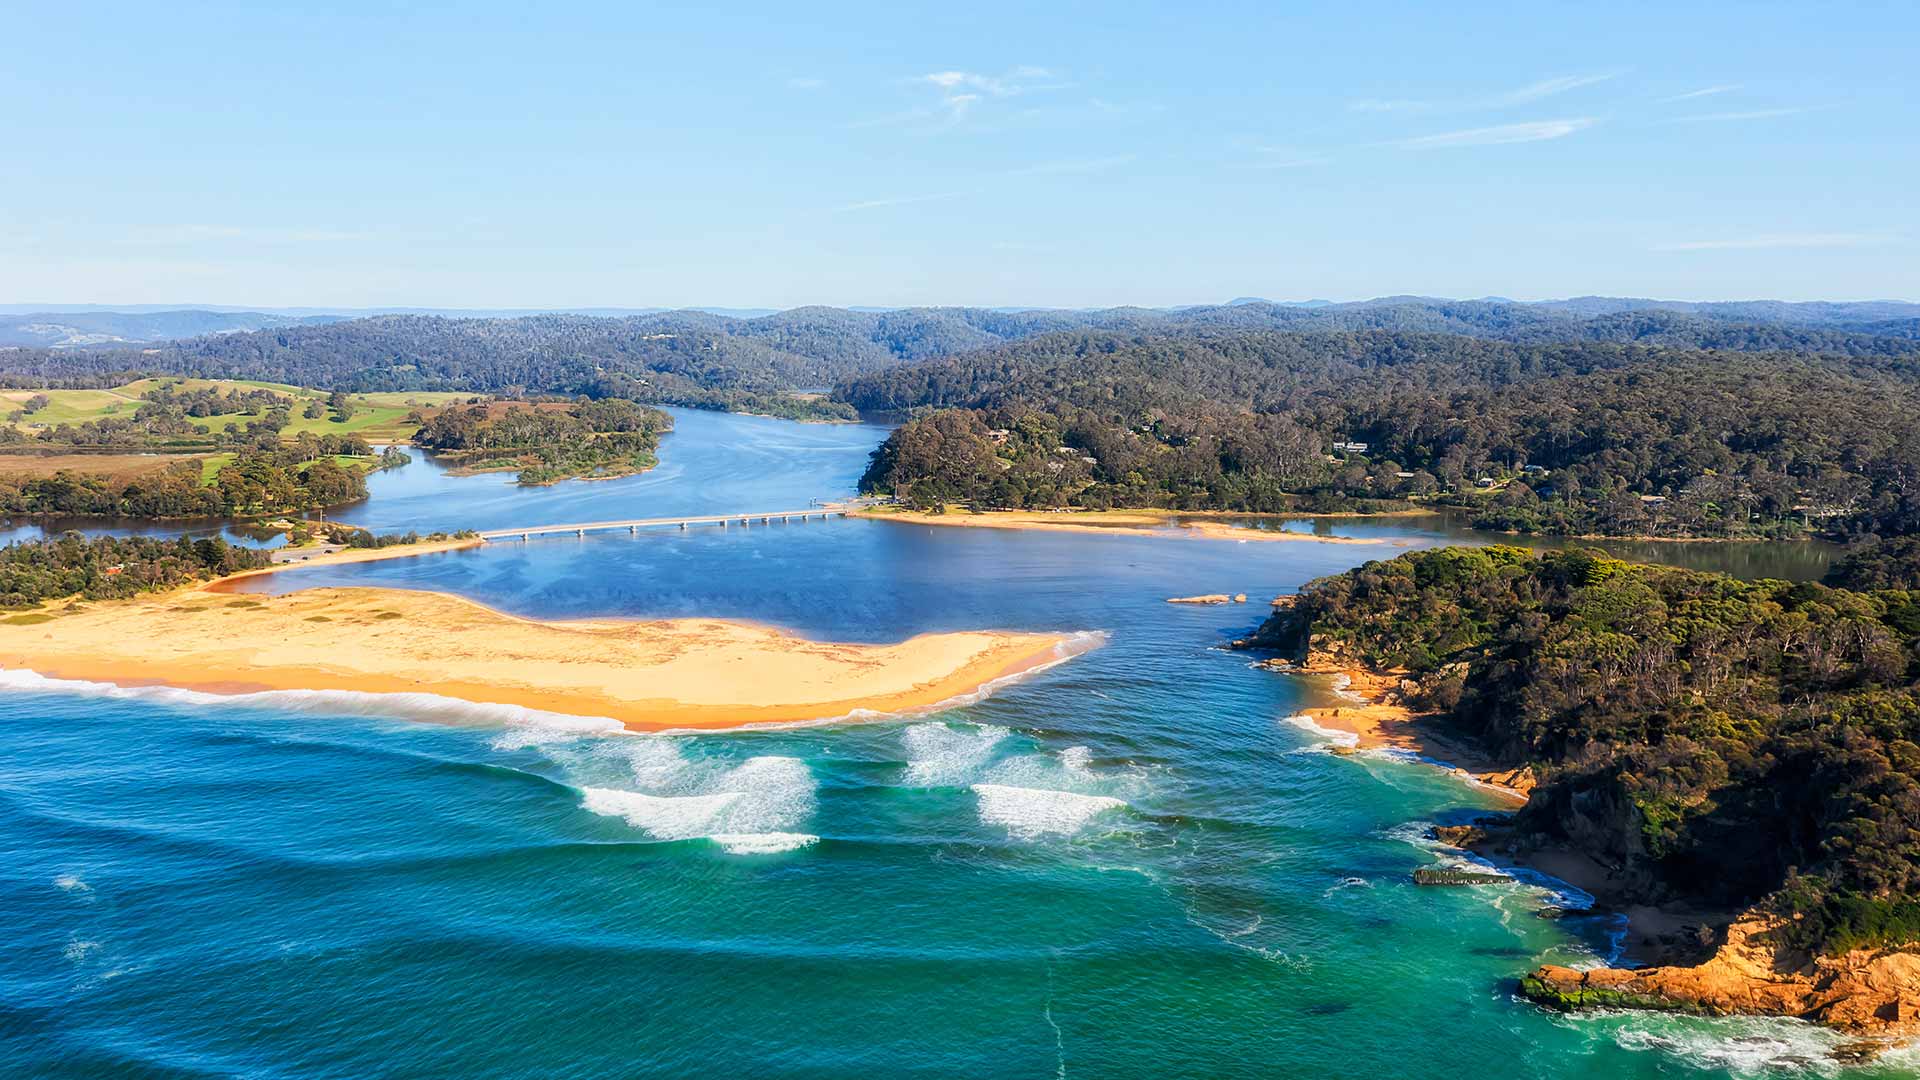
(806,82)
(898,200)
(1523,95)
(1078,165)
(1546,88)
(961,91)
(1767,241)
(1752,114)
(1705,91)
(1499,134)
(252,234)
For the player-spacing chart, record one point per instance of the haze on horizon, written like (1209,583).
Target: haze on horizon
(777,156)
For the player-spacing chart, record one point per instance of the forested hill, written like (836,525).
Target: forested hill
(1720,741)
(1586,438)
(686,353)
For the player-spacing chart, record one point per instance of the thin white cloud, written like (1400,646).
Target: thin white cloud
(1523,95)
(1499,134)
(1753,114)
(961,91)
(1080,165)
(1769,241)
(1705,91)
(253,234)
(899,200)
(1546,88)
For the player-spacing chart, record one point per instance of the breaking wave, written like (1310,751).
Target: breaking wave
(1031,813)
(749,808)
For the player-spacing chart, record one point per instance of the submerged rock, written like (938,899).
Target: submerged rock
(1435,875)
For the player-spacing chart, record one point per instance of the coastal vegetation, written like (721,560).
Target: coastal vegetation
(290,478)
(549,442)
(111,567)
(1728,744)
(1570,439)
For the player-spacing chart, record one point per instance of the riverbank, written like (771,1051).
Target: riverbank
(647,675)
(1161,523)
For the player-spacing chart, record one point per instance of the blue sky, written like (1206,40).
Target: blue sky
(1055,154)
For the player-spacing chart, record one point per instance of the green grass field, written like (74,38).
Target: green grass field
(378,417)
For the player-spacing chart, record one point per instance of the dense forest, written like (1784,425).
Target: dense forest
(1727,742)
(1586,438)
(700,359)
(108,567)
(546,443)
(287,479)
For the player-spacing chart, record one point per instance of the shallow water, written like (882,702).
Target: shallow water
(1130,865)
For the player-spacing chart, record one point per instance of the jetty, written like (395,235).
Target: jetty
(634,525)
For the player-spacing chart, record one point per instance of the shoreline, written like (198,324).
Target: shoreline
(645,675)
(1164,524)
(1377,725)
(1654,934)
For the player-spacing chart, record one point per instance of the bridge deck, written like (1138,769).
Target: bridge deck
(636,524)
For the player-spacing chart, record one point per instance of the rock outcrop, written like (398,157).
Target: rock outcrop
(1864,992)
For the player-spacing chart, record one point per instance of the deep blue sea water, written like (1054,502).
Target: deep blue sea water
(1130,865)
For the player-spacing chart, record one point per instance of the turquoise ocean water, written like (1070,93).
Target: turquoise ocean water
(1133,864)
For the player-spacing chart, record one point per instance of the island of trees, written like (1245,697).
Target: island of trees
(551,442)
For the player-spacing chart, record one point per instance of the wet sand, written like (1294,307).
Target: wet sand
(648,675)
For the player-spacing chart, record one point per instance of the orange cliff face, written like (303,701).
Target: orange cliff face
(1872,992)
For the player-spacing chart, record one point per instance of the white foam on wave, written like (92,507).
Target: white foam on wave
(1329,737)
(942,755)
(1031,813)
(746,808)
(770,843)
(1742,1047)
(664,817)
(412,705)
(71,883)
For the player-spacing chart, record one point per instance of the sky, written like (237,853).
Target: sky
(1047,154)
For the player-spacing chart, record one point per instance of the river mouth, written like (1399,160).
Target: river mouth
(1131,861)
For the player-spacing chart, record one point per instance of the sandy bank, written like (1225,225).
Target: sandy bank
(1160,523)
(680,673)
(1359,706)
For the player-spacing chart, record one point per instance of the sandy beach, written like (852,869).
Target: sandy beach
(648,675)
(1361,710)
(1165,524)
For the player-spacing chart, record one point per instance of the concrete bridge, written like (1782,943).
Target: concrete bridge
(634,525)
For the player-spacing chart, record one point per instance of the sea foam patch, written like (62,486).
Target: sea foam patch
(940,754)
(749,807)
(1031,813)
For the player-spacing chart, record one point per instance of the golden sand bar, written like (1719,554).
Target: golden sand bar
(648,675)
(1166,524)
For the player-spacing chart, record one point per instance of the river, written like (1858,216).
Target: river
(1130,865)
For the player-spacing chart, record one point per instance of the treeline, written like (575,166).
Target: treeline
(683,352)
(1555,438)
(109,567)
(591,437)
(1726,742)
(284,480)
